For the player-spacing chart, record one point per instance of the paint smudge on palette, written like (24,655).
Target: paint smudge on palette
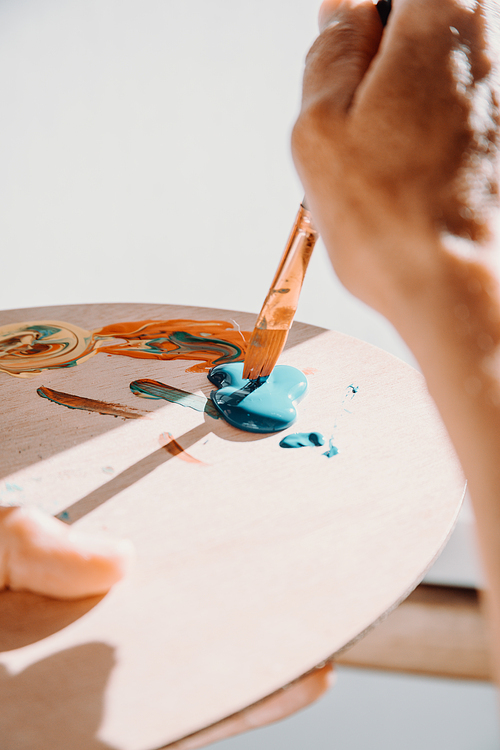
(302,440)
(26,349)
(332,450)
(212,341)
(262,405)
(154,389)
(173,447)
(88,404)
(349,394)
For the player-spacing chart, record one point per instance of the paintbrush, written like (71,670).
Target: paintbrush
(384,7)
(276,317)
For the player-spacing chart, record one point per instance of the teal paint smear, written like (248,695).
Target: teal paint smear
(153,389)
(186,343)
(262,405)
(332,450)
(350,392)
(44,331)
(302,440)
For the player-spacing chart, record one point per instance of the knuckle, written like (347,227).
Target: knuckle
(316,125)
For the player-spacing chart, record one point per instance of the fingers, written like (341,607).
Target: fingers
(41,554)
(432,96)
(335,68)
(300,694)
(278,706)
(418,49)
(337,62)
(409,114)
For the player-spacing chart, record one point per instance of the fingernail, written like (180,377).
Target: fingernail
(327,13)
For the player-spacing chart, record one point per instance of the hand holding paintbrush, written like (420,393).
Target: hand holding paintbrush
(276,317)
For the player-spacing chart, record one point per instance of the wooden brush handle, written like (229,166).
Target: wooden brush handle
(282,299)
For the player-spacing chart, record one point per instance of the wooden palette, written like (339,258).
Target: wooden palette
(255,563)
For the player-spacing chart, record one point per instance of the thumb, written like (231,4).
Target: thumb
(337,62)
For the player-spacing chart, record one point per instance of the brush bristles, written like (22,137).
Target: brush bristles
(263,352)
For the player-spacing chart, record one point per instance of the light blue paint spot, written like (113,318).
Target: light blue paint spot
(64,516)
(108,470)
(10,487)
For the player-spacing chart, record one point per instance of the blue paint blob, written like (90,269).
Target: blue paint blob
(302,440)
(332,450)
(262,405)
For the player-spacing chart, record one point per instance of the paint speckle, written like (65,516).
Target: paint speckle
(108,470)
(11,487)
(64,516)
(302,440)
(349,394)
(332,450)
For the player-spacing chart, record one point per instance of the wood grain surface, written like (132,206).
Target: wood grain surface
(254,564)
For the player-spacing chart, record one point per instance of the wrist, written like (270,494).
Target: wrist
(451,322)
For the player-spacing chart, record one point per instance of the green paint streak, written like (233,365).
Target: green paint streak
(153,389)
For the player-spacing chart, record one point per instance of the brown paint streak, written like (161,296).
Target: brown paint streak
(89,404)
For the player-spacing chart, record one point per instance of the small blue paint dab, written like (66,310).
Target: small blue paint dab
(108,470)
(12,487)
(302,440)
(332,451)
(64,516)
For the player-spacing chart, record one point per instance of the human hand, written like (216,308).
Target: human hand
(276,707)
(397,140)
(40,554)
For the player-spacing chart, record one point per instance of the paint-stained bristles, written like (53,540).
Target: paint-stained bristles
(263,352)
(276,317)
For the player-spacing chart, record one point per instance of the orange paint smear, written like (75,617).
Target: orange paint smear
(211,341)
(171,445)
(26,349)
